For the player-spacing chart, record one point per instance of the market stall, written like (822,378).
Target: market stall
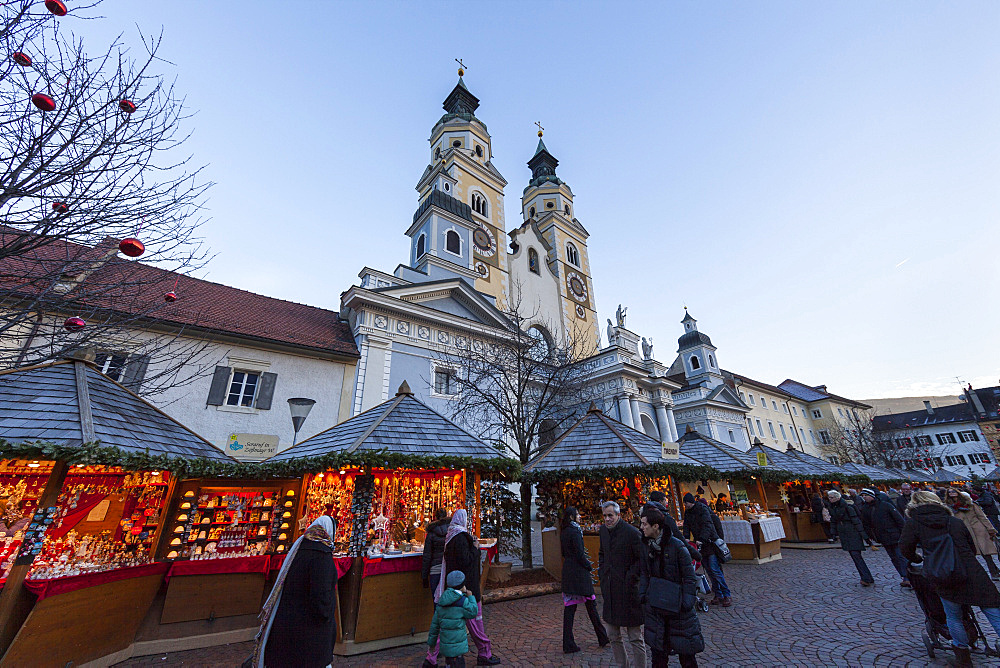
(86,472)
(600,459)
(382,474)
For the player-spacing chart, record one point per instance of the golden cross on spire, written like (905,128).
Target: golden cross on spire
(541,130)
(461,67)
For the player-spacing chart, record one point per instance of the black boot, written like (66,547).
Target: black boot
(963,657)
(569,645)
(595,619)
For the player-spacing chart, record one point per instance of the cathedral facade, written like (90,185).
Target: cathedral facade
(466,270)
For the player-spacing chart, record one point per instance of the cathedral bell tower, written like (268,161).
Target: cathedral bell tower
(701,365)
(458,228)
(547,202)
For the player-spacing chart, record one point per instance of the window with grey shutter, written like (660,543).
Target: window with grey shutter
(220,383)
(266,391)
(135,371)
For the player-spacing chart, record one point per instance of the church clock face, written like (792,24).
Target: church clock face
(485,243)
(577,286)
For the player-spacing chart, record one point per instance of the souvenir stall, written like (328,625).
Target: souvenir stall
(600,459)
(752,532)
(381,475)
(790,479)
(84,480)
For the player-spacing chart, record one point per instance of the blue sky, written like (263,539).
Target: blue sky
(817,182)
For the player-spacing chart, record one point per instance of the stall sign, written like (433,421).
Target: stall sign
(739,493)
(251,447)
(761,459)
(670,450)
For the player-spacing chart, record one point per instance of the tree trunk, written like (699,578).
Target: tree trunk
(526,525)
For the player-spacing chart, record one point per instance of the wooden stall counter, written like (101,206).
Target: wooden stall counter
(213,588)
(754,541)
(552,553)
(806,531)
(84,617)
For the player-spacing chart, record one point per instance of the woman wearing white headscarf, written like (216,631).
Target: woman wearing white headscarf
(297,622)
(461,553)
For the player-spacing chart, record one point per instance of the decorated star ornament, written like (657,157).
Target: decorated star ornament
(304,523)
(381,522)
(784,496)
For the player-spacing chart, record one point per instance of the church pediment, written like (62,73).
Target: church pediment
(724,395)
(454,297)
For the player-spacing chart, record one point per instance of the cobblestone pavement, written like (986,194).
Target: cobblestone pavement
(806,610)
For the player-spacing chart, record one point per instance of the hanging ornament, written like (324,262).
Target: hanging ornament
(127,106)
(60,207)
(22,59)
(131,247)
(57,7)
(74,324)
(170,296)
(43,102)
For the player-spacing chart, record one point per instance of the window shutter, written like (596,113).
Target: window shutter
(135,371)
(220,383)
(266,391)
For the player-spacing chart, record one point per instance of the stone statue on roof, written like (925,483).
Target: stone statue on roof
(620,315)
(647,348)
(612,335)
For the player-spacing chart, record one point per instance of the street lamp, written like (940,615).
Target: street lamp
(299,408)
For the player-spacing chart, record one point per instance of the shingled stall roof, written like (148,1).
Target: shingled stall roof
(596,441)
(786,461)
(714,453)
(912,475)
(405,432)
(70,405)
(873,472)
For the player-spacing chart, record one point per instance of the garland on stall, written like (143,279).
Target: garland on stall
(202,467)
(682,473)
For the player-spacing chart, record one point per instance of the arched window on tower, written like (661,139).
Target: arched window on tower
(479,204)
(453,243)
(531,212)
(695,363)
(572,255)
(420,245)
(566,209)
(533,260)
(711,361)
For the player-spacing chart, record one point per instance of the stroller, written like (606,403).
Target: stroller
(704,591)
(935,634)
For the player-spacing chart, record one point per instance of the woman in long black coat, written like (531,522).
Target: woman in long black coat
(577,582)
(844,516)
(928,518)
(664,556)
(298,629)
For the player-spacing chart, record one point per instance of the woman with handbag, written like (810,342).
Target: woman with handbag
(667,589)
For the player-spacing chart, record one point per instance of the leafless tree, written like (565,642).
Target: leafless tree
(90,155)
(868,438)
(519,390)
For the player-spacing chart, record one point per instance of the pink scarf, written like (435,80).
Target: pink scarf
(459,523)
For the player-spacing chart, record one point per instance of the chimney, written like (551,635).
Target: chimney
(977,405)
(928,407)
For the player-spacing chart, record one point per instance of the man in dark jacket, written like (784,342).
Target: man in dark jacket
(618,559)
(663,557)
(927,523)
(903,500)
(700,523)
(430,572)
(844,516)
(885,525)
(988,503)
(658,500)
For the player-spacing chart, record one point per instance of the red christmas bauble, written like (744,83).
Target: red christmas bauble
(170,297)
(57,7)
(22,59)
(127,106)
(60,207)
(43,102)
(131,247)
(74,324)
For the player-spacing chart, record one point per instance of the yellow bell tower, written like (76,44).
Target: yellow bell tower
(461,213)
(548,201)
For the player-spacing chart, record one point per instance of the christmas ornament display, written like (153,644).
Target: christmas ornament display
(74,324)
(43,102)
(22,59)
(131,247)
(127,106)
(57,7)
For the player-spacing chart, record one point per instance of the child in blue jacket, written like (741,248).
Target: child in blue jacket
(455,605)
